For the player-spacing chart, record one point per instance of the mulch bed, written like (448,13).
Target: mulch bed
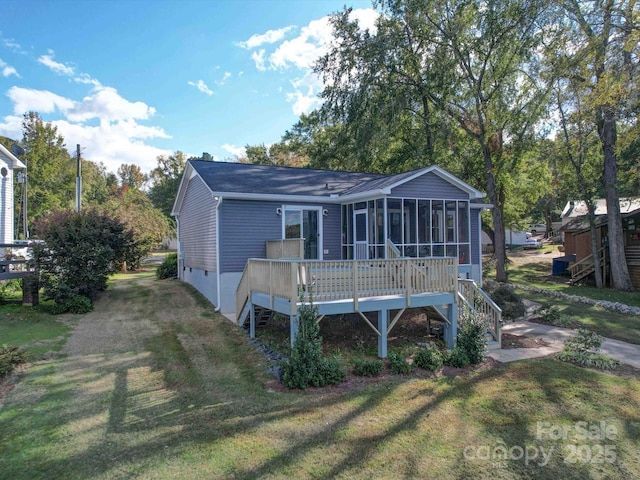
(354,382)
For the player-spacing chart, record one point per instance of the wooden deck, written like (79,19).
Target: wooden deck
(356,286)
(14,263)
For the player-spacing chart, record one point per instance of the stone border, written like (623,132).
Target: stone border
(613,306)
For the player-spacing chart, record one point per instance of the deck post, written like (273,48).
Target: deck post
(294,325)
(451,327)
(383,325)
(252,321)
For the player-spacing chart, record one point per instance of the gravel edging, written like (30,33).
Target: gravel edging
(613,306)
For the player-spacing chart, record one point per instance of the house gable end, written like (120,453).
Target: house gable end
(429,185)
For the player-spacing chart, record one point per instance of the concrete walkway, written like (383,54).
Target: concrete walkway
(555,337)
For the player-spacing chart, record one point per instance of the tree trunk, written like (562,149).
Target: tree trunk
(620,277)
(499,247)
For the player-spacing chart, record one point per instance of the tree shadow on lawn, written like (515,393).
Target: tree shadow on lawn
(189,395)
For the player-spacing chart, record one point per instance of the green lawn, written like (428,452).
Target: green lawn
(33,329)
(170,389)
(538,274)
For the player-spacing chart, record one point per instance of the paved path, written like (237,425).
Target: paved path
(555,337)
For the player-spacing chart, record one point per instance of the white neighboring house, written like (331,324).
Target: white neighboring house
(8,163)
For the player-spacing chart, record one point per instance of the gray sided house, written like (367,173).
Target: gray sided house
(342,225)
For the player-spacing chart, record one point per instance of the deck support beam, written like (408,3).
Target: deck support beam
(294,326)
(252,320)
(451,326)
(383,324)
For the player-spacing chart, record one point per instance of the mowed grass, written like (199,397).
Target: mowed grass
(538,274)
(33,329)
(183,395)
(605,322)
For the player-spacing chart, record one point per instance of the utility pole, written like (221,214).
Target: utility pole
(78,180)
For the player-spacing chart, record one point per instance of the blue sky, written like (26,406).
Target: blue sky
(131,80)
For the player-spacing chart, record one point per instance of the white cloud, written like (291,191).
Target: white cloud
(11,43)
(48,61)
(305,95)
(118,138)
(43,101)
(87,80)
(258,57)
(234,150)
(306,48)
(366,18)
(225,77)
(11,126)
(270,36)
(301,53)
(303,103)
(8,70)
(106,104)
(200,85)
(115,143)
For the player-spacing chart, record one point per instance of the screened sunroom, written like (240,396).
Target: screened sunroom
(418,227)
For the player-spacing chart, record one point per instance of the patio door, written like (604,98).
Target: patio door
(360,234)
(304,223)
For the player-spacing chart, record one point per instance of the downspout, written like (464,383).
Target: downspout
(217,232)
(179,248)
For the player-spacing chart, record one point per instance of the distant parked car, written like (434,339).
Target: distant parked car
(537,228)
(532,244)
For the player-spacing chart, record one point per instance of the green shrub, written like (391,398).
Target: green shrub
(398,364)
(582,349)
(330,372)
(306,366)
(429,359)
(456,358)
(549,314)
(10,289)
(78,305)
(10,357)
(584,341)
(367,368)
(506,298)
(588,359)
(472,336)
(168,268)
(79,252)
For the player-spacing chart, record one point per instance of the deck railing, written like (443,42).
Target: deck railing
(473,297)
(346,279)
(392,250)
(287,248)
(16,260)
(242,292)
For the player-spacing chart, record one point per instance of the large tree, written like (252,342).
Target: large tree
(165,181)
(150,228)
(431,62)
(51,183)
(604,36)
(132,176)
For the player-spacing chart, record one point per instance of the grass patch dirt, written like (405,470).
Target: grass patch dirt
(33,329)
(155,384)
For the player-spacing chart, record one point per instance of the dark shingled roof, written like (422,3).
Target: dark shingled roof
(269,180)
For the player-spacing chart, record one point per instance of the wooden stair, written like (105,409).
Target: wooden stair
(263,316)
(586,266)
